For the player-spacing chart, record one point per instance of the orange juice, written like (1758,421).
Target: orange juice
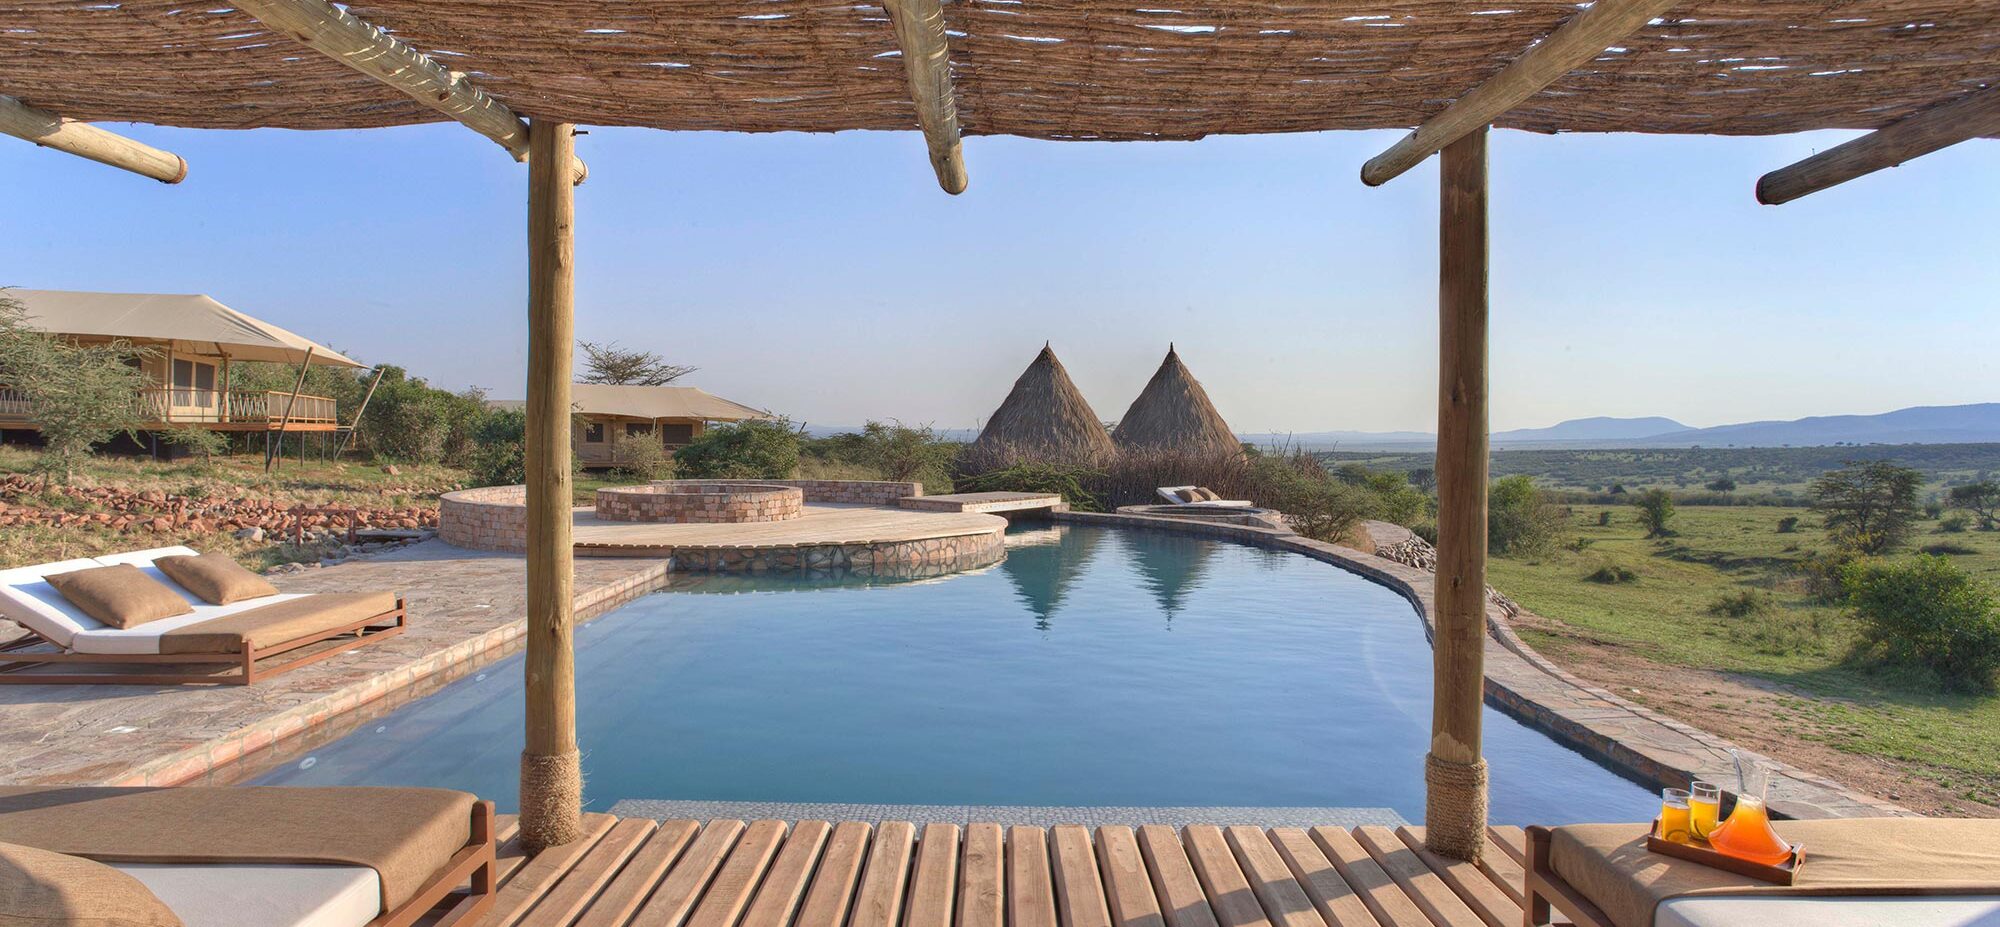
(1748,835)
(1702,815)
(1674,821)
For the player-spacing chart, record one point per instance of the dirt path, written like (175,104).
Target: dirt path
(1747,711)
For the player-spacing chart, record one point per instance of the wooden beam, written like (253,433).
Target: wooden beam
(346,38)
(1971,116)
(283,423)
(927,63)
(1454,773)
(551,777)
(1582,38)
(88,141)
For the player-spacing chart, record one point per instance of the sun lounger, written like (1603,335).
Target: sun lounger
(276,857)
(1859,872)
(1199,495)
(256,638)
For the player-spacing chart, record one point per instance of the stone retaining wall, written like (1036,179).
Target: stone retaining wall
(487,518)
(691,501)
(852,492)
(898,559)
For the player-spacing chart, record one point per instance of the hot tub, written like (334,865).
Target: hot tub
(685,501)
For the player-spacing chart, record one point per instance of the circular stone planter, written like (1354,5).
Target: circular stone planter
(691,501)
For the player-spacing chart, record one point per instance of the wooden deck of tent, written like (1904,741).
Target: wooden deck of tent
(769,873)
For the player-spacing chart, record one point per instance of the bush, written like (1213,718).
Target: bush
(1656,508)
(646,459)
(756,449)
(82,394)
(1930,616)
(1788,524)
(201,445)
(1329,511)
(1721,484)
(1949,549)
(1059,479)
(1740,604)
(1954,525)
(1824,576)
(410,421)
(1612,575)
(1604,519)
(501,457)
(1519,519)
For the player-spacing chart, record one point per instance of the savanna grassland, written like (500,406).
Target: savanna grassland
(1718,625)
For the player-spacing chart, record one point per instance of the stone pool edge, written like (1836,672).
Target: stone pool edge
(1634,740)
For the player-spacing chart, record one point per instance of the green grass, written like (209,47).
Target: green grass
(1669,614)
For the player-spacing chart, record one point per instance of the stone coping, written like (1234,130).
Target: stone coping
(681,501)
(1635,741)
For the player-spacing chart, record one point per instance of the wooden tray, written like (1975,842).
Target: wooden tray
(1700,852)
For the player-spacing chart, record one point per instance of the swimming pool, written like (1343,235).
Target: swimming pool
(1094,666)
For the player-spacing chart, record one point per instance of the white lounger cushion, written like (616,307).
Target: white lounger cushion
(28,599)
(1869,911)
(260,895)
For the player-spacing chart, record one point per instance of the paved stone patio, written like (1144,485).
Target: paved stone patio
(464,606)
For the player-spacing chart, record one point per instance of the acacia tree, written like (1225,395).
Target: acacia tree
(1869,508)
(1656,508)
(82,395)
(1982,499)
(610,364)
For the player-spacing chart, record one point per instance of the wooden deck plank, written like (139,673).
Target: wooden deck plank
(580,886)
(675,898)
(1079,890)
(982,877)
(1228,890)
(1337,902)
(879,900)
(614,906)
(1471,884)
(1284,900)
(1512,839)
(1031,894)
(1503,870)
(785,884)
(1182,902)
(933,884)
(1417,880)
(839,869)
(538,875)
(1384,898)
(1127,885)
(729,892)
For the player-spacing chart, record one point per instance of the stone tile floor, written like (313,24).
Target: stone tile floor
(462,605)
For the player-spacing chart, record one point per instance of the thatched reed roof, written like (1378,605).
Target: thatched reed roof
(1044,419)
(1074,69)
(1173,414)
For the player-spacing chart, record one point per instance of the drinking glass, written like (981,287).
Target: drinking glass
(1674,815)
(1704,808)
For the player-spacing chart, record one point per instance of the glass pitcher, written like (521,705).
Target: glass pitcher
(1747,834)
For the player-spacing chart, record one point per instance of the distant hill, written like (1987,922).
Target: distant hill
(1977,423)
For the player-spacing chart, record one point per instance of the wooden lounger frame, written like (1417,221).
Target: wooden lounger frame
(1545,889)
(16,656)
(473,866)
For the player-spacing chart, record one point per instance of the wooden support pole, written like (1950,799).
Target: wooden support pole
(1971,116)
(927,64)
(358,413)
(346,38)
(1454,772)
(286,421)
(88,141)
(1583,37)
(551,773)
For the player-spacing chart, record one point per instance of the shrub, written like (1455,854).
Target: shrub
(1519,519)
(646,459)
(1604,519)
(1721,484)
(1930,616)
(1950,549)
(756,449)
(1656,508)
(1824,576)
(408,420)
(1428,530)
(1328,511)
(1788,524)
(501,457)
(1956,524)
(1133,477)
(1739,604)
(1612,575)
(1066,481)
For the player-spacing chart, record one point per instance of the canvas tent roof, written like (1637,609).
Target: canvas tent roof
(684,402)
(1079,69)
(193,322)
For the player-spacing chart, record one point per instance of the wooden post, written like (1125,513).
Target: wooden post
(551,769)
(284,422)
(88,141)
(920,34)
(1974,115)
(1454,772)
(358,413)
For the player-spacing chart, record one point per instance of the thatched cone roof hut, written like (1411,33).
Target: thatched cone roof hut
(1044,419)
(1173,414)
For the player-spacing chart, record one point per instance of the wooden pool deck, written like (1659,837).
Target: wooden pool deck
(637,871)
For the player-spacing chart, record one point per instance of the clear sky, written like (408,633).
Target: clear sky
(826,276)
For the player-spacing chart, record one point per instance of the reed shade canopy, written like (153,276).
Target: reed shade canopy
(1173,414)
(1077,69)
(1044,419)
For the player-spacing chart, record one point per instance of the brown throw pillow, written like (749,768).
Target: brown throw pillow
(216,578)
(39,888)
(119,596)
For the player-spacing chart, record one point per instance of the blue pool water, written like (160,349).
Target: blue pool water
(1092,667)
